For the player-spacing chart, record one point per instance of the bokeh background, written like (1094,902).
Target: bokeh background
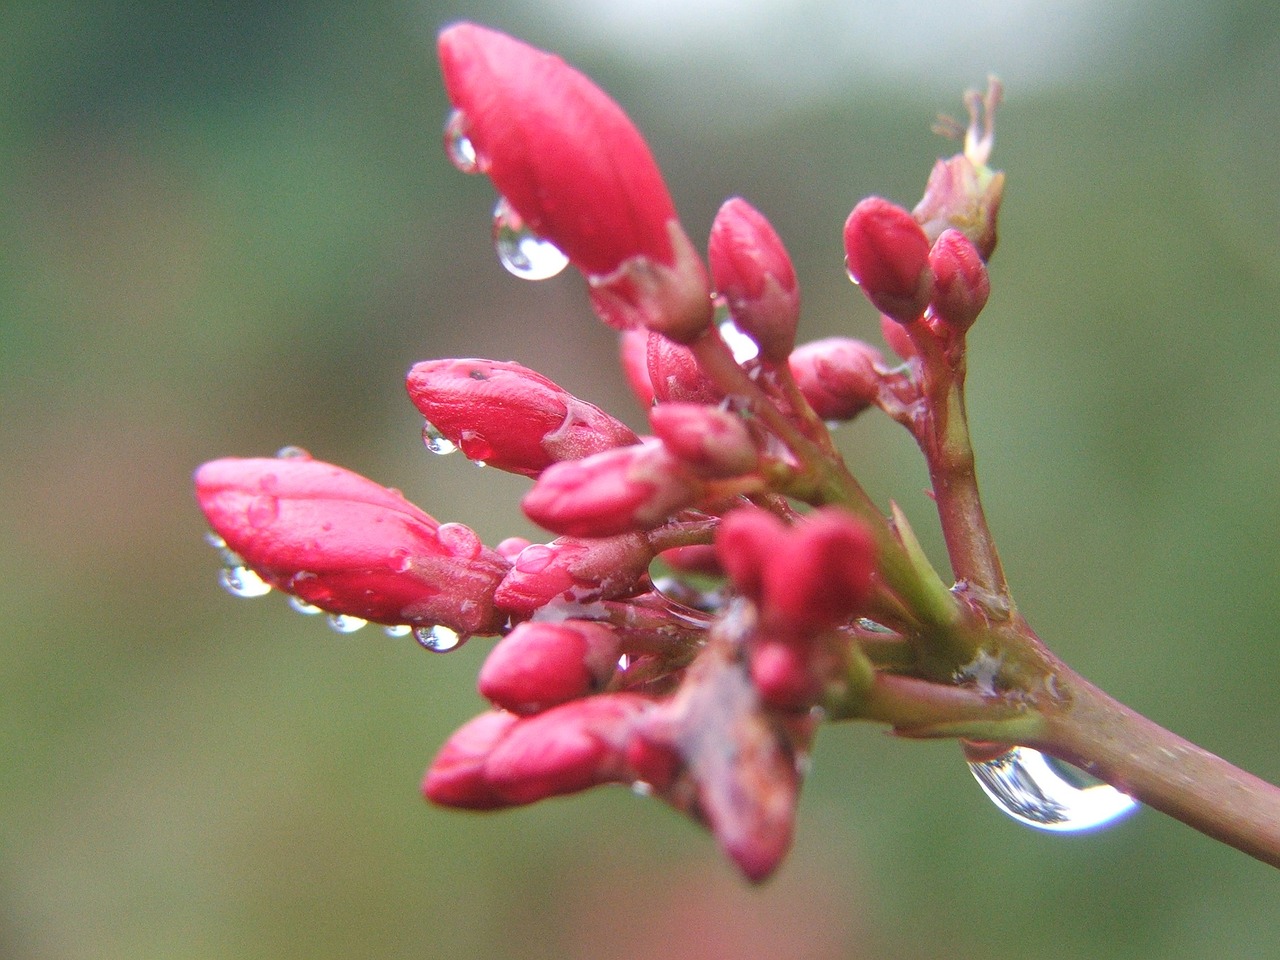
(228,227)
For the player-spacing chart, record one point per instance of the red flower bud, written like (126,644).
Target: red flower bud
(509,416)
(752,270)
(573,570)
(349,545)
(896,336)
(617,491)
(839,376)
(579,174)
(821,573)
(961,283)
(538,665)
(674,374)
(633,351)
(714,443)
(456,777)
(888,256)
(744,541)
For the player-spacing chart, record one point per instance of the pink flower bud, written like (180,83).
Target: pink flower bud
(579,174)
(961,284)
(510,417)
(349,545)
(575,570)
(839,376)
(744,541)
(714,443)
(821,573)
(538,665)
(896,336)
(752,270)
(617,491)
(565,749)
(782,672)
(888,256)
(456,777)
(674,374)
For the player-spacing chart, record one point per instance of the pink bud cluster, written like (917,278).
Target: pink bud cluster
(703,686)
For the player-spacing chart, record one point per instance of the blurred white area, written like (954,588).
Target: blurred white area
(779,50)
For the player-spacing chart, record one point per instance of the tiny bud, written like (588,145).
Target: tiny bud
(714,443)
(961,284)
(751,269)
(618,491)
(575,570)
(539,665)
(839,376)
(888,256)
(510,417)
(696,558)
(674,374)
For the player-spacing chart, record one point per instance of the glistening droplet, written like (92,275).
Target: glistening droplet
(292,453)
(397,630)
(436,441)
(742,346)
(437,639)
(458,146)
(522,252)
(1028,787)
(240,581)
(308,609)
(345,624)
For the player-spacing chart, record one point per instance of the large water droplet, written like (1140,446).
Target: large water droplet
(240,581)
(436,441)
(458,146)
(437,639)
(1027,785)
(345,624)
(307,609)
(522,252)
(742,346)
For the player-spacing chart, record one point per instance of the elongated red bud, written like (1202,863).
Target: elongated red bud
(538,665)
(456,777)
(618,491)
(712,442)
(751,269)
(350,546)
(961,283)
(888,256)
(674,374)
(509,416)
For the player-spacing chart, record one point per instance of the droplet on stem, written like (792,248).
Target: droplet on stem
(1027,786)
(521,251)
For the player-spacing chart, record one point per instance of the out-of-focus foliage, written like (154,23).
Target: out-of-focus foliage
(228,227)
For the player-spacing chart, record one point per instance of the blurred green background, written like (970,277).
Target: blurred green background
(227,227)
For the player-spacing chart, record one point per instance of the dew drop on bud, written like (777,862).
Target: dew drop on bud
(240,581)
(345,624)
(436,441)
(522,252)
(437,639)
(1032,789)
(300,605)
(292,453)
(397,630)
(458,146)
(741,346)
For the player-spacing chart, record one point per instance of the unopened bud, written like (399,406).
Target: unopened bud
(674,374)
(714,443)
(574,570)
(961,284)
(888,256)
(751,269)
(839,376)
(538,665)
(456,777)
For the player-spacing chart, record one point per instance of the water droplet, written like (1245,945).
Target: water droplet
(215,541)
(308,609)
(240,581)
(522,252)
(292,453)
(398,630)
(436,441)
(624,661)
(437,639)
(458,146)
(1027,785)
(345,624)
(742,346)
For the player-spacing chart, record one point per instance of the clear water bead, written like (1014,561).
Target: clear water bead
(1027,786)
(458,146)
(345,624)
(436,441)
(522,252)
(240,581)
(741,345)
(437,639)
(300,605)
(292,453)
(398,630)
